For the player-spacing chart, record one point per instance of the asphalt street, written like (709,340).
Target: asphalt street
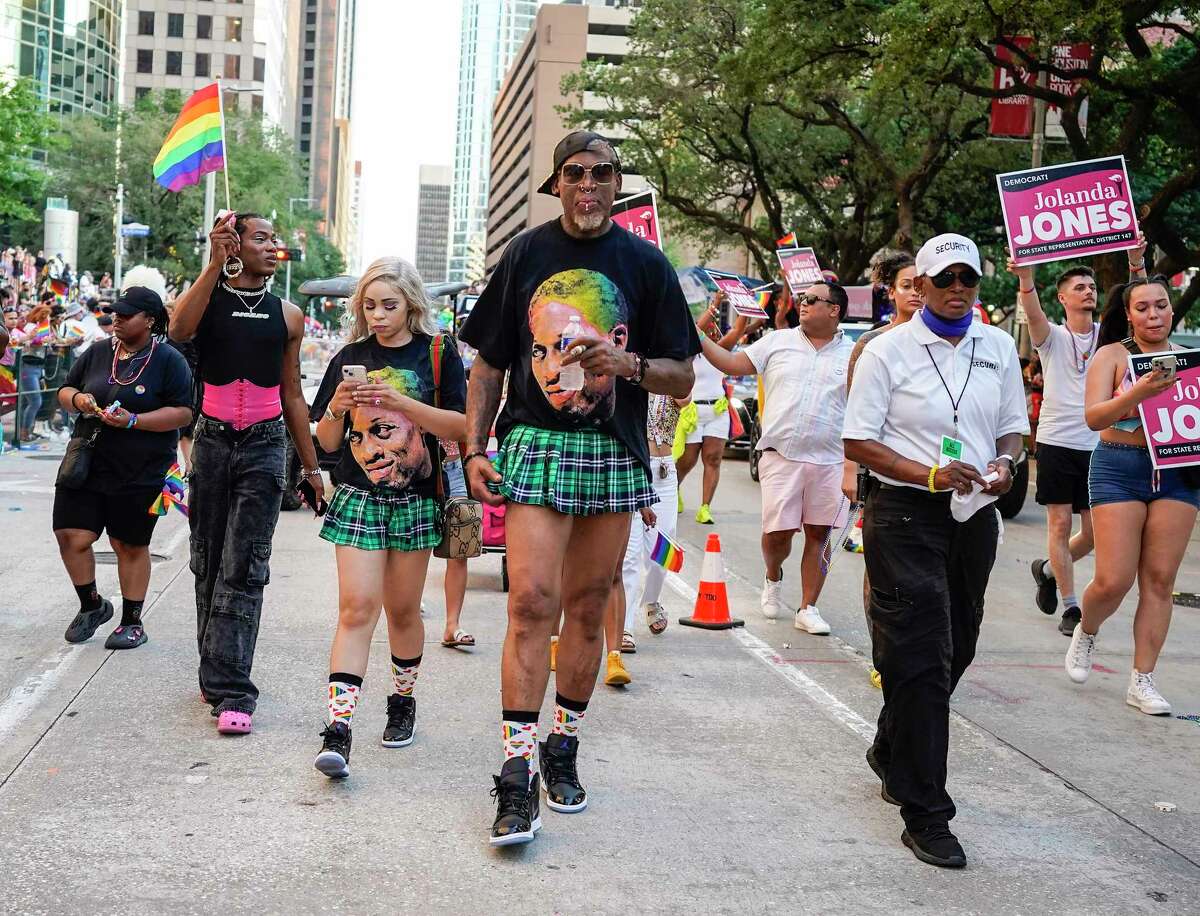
(728,777)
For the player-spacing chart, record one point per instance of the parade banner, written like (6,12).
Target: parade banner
(800,266)
(639,214)
(1058,212)
(862,302)
(1171,419)
(1012,116)
(743,301)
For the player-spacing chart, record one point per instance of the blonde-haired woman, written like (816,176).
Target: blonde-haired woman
(375,407)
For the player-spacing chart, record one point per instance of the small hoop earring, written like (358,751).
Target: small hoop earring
(232,267)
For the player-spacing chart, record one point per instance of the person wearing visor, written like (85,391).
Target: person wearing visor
(936,413)
(132,396)
(587,320)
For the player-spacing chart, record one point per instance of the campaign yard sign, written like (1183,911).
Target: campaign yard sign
(800,266)
(743,301)
(1171,419)
(639,214)
(1058,212)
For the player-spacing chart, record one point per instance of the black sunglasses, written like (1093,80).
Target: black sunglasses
(601,172)
(813,300)
(944,280)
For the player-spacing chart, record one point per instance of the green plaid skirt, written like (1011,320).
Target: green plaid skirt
(576,472)
(380,520)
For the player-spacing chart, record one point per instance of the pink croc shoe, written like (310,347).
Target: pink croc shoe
(233,722)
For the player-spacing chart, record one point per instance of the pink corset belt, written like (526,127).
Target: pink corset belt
(241,403)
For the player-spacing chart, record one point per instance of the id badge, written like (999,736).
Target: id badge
(952,450)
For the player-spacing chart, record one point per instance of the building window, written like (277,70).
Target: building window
(260,69)
(229,101)
(145,60)
(233,67)
(145,23)
(308,55)
(174,25)
(310,37)
(256,104)
(310,18)
(308,73)
(308,92)
(306,110)
(304,146)
(203,65)
(174,63)
(233,28)
(141,92)
(204,26)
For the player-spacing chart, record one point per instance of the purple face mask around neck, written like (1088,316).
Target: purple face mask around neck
(943,327)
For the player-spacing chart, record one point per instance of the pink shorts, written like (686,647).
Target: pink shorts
(797,493)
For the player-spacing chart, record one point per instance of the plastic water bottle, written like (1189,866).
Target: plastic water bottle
(570,378)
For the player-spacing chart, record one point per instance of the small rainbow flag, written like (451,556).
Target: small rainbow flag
(43,334)
(762,295)
(196,144)
(667,554)
(174,493)
(788,241)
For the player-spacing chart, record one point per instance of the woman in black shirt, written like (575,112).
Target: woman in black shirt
(132,397)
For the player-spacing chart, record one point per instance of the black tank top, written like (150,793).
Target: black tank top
(242,338)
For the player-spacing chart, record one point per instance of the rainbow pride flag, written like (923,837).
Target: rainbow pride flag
(196,144)
(788,241)
(174,493)
(667,554)
(43,334)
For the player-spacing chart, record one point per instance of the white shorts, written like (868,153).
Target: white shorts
(709,425)
(797,493)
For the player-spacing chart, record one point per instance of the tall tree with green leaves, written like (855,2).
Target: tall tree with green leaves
(25,130)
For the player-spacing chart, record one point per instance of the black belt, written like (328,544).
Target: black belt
(237,435)
(940,496)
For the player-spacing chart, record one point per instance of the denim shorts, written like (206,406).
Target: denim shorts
(456,482)
(1124,474)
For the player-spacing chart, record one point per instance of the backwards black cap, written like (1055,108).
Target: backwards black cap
(577,141)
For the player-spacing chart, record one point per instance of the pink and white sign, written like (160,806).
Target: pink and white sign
(743,301)
(861,302)
(801,269)
(639,214)
(1171,419)
(1058,212)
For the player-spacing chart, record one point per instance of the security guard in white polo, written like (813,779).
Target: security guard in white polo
(937,413)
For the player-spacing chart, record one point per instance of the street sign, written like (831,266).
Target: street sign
(135,230)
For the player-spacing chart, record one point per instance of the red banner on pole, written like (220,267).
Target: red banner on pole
(1013,116)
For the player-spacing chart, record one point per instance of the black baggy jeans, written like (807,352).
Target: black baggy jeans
(928,576)
(237,485)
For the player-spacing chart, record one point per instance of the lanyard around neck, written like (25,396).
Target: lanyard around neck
(950,394)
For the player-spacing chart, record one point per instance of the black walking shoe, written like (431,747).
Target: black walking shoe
(126,637)
(401,721)
(877,768)
(518,808)
(1070,617)
(1047,592)
(935,845)
(556,759)
(334,759)
(83,627)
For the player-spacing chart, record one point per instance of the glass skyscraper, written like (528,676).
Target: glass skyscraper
(70,49)
(492,32)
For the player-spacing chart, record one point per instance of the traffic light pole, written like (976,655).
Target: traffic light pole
(287,289)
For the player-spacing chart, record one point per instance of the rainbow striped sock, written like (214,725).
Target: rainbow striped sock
(343,696)
(404,674)
(520,736)
(568,715)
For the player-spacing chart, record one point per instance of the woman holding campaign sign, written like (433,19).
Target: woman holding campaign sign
(1143,511)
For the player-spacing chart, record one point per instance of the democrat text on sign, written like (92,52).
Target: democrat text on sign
(1171,419)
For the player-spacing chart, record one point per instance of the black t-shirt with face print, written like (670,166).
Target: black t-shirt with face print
(616,286)
(384,449)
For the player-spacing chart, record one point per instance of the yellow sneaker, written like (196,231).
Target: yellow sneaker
(553,653)
(615,674)
(876,679)
(703,515)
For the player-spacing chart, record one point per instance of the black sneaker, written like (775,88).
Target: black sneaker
(1047,592)
(334,759)
(1070,617)
(935,845)
(518,808)
(126,637)
(877,768)
(401,721)
(556,759)
(83,627)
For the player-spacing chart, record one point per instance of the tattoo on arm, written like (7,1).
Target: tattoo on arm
(483,400)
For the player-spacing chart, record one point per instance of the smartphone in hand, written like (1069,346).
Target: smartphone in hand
(308,493)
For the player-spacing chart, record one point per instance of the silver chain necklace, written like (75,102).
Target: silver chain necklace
(245,294)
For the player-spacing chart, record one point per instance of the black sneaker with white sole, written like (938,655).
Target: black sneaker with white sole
(334,759)
(401,721)
(1070,617)
(1047,591)
(556,759)
(518,807)
(84,626)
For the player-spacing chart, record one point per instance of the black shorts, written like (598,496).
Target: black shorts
(1062,476)
(126,516)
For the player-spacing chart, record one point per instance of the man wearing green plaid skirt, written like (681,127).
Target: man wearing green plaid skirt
(586,319)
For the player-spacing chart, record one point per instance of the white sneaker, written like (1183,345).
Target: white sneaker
(1145,696)
(809,620)
(771,602)
(1079,655)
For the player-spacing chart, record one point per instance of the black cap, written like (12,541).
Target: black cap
(577,141)
(136,299)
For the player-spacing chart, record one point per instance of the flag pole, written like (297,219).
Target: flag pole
(224,142)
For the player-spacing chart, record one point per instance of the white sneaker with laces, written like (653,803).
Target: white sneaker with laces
(771,602)
(809,620)
(1079,655)
(1145,696)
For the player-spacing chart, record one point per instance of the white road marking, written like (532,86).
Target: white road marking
(26,695)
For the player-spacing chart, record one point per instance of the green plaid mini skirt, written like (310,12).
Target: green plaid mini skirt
(380,520)
(576,472)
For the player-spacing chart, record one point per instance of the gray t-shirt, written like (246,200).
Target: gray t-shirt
(1065,357)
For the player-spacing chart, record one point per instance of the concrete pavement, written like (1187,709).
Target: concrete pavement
(727,778)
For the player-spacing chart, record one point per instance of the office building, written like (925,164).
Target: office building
(70,52)
(433,221)
(492,31)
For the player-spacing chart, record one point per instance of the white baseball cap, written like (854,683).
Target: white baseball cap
(945,250)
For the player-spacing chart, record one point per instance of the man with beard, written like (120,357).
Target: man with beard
(576,293)
(248,345)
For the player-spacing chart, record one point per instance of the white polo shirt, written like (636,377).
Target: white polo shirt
(899,399)
(804,394)
(710,381)
(1065,356)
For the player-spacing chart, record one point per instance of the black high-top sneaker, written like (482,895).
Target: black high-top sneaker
(518,807)
(556,757)
(401,721)
(334,759)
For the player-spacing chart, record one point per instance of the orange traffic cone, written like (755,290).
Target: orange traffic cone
(712,604)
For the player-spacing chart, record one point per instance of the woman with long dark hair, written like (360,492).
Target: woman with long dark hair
(1142,518)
